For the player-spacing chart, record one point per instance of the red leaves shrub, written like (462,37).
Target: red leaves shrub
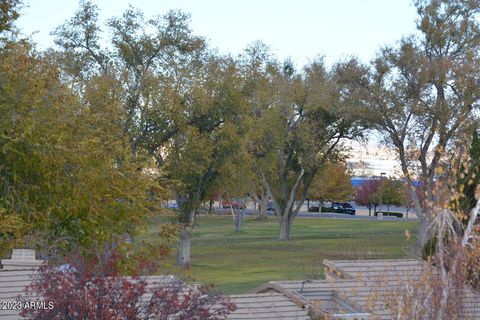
(92,289)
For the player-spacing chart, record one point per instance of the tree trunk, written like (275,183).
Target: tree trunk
(238,221)
(422,233)
(285,224)
(210,206)
(262,207)
(183,257)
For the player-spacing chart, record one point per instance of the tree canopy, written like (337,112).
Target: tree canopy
(422,93)
(65,183)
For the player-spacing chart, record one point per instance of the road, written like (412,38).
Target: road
(324,215)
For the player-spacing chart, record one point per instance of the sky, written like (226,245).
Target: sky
(301,30)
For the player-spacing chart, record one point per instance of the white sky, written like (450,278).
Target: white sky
(301,29)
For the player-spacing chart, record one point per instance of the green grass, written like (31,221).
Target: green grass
(239,262)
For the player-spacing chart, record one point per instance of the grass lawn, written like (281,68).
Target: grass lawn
(239,262)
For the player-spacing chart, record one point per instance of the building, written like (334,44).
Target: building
(18,272)
(362,289)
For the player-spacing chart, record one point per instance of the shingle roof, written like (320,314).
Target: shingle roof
(361,287)
(320,296)
(383,277)
(16,274)
(12,283)
(266,306)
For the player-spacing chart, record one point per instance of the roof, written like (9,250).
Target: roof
(373,270)
(266,306)
(386,277)
(21,259)
(16,274)
(12,283)
(361,289)
(321,297)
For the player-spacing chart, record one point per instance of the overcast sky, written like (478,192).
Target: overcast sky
(300,29)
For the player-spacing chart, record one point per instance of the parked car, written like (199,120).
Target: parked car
(270,206)
(343,207)
(233,205)
(173,205)
(314,209)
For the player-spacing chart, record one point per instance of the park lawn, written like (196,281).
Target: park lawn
(239,262)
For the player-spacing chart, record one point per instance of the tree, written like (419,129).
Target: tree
(306,125)
(235,177)
(93,288)
(332,183)
(407,199)
(390,192)
(65,181)
(208,136)
(422,94)
(255,66)
(180,102)
(68,179)
(366,194)
(259,193)
(8,15)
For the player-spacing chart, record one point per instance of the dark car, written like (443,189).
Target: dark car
(343,207)
(270,206)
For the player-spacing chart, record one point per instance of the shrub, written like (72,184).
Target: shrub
(390,214)
(93,289)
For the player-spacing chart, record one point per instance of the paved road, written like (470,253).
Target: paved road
(323,215)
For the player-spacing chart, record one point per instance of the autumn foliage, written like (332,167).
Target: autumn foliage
(365,195)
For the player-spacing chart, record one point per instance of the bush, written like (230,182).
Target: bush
(93,289)
(390,214)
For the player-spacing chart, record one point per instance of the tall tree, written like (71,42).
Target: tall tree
(180,103)
(66,175)
(256,65)
(422,93)
(306,124)
(208,137)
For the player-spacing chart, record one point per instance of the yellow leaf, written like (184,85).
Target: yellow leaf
(408,235)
